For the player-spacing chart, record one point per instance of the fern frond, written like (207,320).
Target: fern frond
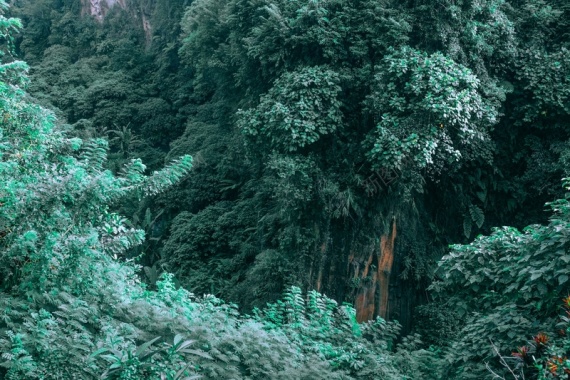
(94,154)
(168,176)
(477,215)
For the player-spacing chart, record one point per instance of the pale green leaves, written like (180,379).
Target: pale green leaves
(301,107)
(429,107)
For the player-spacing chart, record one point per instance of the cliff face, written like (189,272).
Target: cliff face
(100,8)
(368,276)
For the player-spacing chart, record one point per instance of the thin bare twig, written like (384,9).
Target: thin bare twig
(505,364)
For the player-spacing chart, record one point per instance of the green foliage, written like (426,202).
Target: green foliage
(293,79)
(546,357)
(322,327)
(506,284)
(438,325)
(319,325)
(293,111)
(544,74)
(430,109)
(60,249)
(62,245)
(300,108)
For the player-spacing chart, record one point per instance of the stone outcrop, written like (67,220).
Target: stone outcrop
(374,278)
(100,8)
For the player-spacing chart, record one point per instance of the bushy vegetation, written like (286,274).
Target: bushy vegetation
(506,286)
(73,307)
(337,147)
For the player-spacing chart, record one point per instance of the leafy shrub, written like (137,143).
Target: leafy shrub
(505,285)
(437,324)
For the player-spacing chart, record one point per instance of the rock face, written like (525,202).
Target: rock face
(367,275)
(373,294)
(100,8)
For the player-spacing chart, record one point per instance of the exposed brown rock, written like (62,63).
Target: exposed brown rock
(373,293)
(386,261)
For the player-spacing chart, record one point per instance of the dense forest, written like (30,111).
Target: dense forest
(285,189)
